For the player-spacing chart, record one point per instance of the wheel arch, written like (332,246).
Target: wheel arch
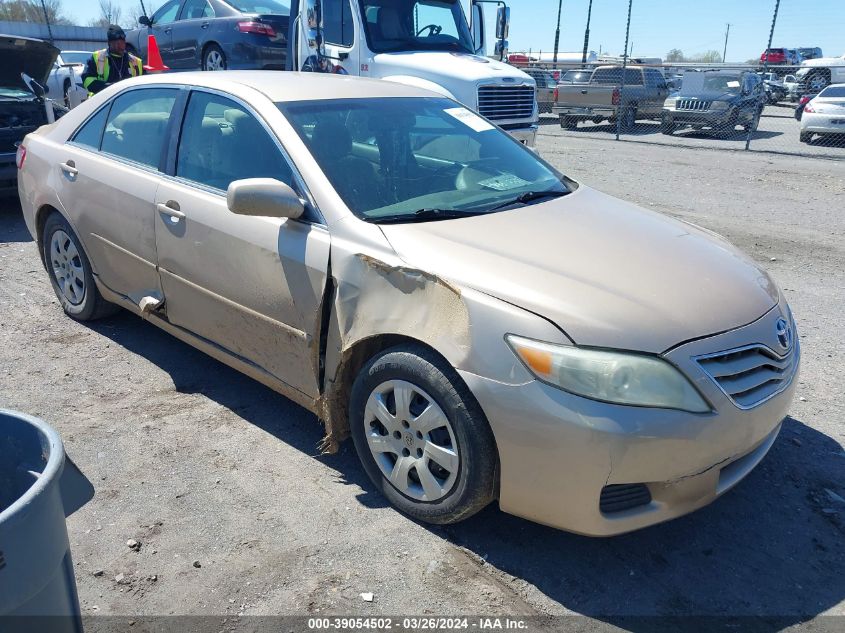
(204,49)
(335,409)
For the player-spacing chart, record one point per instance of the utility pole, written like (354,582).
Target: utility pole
(620,109)
(557,33)
(47,21)
(771,35)
(725,53)
(587,34)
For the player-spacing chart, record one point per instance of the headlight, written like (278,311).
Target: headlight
(719,105)
(617,377)
(669,103)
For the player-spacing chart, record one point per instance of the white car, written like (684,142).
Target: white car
(825,114)
(793,87)
(66,77)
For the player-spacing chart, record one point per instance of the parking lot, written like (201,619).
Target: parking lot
(777,133)
(220,481)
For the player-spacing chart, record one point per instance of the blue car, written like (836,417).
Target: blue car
(216,34)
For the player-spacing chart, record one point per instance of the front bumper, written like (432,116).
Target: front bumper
(526,135)
(711,119)
(558,451)
(585,113)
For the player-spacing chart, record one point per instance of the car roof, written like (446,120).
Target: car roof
(290,86)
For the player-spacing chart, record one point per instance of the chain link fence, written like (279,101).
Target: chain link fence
(791,101)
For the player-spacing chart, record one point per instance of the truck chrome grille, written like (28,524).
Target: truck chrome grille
(751,375)
(506,102)
(694,105)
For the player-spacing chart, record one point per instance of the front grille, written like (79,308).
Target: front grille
(693,105)
(750,375)
(619,497)
(506,102)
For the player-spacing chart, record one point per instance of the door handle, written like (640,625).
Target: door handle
(583,92)
(204,25)
(69,168)
(171,209)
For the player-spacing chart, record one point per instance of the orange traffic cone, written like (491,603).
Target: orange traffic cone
(154,62)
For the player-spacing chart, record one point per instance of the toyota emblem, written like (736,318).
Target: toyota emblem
(784,332)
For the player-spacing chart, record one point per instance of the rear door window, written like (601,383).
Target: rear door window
(137,125)
(91,131)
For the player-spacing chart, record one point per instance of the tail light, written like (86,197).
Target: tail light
(615,99)
(556,93)
(20,156)
(809,108)
(259,28)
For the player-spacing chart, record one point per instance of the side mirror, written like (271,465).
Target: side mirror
(264,197)
(501,49)
(145,21)
(503,21)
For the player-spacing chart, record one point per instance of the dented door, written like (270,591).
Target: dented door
(251,285)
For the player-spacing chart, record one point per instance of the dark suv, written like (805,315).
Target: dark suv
(718,100)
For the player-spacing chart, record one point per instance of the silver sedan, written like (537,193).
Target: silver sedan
(482,326)
(824,114)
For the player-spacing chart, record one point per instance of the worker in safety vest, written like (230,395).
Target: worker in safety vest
(111,64)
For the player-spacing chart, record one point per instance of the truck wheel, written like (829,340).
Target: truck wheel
(817,82)
(629,118)
(667,125)
(422,437)
(569,123)
(805,137)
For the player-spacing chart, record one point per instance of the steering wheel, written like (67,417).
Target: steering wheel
(433,29)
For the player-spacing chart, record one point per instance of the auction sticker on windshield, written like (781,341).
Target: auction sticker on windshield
(470,119)
(504,182)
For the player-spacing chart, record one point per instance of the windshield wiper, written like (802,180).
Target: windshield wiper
(424,215)
(528,196)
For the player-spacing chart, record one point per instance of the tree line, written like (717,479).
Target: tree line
(110,12)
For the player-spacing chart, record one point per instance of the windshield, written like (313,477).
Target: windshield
(260,6)
(722,83)
(75,57)
(412,25)
(390,158)
(15,93)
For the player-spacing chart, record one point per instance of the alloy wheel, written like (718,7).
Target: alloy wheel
(214,61)
(67,267)
(412,441)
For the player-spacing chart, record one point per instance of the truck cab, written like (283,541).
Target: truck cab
(424,43)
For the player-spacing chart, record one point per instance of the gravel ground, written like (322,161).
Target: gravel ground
(220,482)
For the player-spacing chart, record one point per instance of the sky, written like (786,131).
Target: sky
(657,26)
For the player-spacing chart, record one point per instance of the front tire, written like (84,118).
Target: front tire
(629,118)
(817,82)
(70,272)
(569,123)
(213,58)
(422,437)
(667,125)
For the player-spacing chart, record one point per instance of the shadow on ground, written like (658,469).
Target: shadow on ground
(771,547)
(12,227)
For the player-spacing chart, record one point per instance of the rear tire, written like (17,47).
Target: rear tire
(805,137)
(213,58)
(817,82)
(70,272)
(569,123)
(667,125)
(629,118)
(422,437)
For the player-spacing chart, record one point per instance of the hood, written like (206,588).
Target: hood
(608,273)
(825,61)
(461,67)
(25,55)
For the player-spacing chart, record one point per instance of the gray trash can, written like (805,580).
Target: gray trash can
(39,487)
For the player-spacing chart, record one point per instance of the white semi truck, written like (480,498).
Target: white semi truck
(435,44)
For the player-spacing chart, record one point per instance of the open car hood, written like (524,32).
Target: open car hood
(25,55)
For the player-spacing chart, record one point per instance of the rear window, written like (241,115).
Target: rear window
(633,76)
(260,6)
(833,91)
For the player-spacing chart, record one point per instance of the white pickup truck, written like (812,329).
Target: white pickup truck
(424,43)
(817,74)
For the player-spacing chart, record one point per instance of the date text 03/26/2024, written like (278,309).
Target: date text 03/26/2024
(425,623)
